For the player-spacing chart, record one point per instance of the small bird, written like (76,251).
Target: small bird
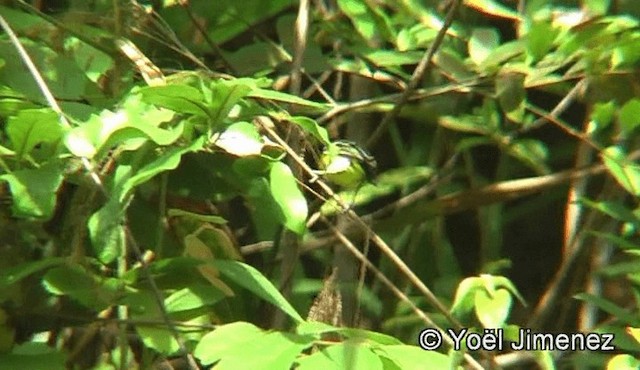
(347,165)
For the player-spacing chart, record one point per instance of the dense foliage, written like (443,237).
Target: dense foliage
(178,215)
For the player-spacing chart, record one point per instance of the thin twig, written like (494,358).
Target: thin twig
(421,69)
(46,92)
(395,290)
(302,26)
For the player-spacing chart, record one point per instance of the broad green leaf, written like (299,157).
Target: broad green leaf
(178,98)
(624,171)
(415,37)
(224,339)
(501,54)
(533,153)
(494,8)
(224,95)
(241,139)
(623,362)
(34,191)
(251,279)
(414,358)
(240,346)
(465,294)
(540,39)
(13,275)
(465,123)
(346,355)
(228,18)
(266,213)
(168,160)
(33,356)
(602,116)
(133,124)
(311,126)
(511,94)
(629,117)
(289,197)
(367,22)
(482,42)
(81,285)
(492,308)
(390,58)
(106,231)
(32,127)
(192,297)
(503,282)
(286,98)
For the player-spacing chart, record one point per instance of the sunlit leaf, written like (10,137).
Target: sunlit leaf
(627,173)
(34,191)
(251,279)
(289,197)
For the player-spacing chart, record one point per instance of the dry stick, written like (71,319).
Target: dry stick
(421,69)
(397,292)
(561,279)
(302,26)
(562,106)
(98,182)
(384,247)
(289,241)
(395,98)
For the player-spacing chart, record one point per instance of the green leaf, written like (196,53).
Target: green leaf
(511,94)
(287,98)
(32,127)
(629,116)
(311,126)
(241,139)
(226,338)
(289,197)
(224,95)
(192,297)
(602,116)
(240,346)
(81,285)
(33,356)
(627,173)
(465,294)
(533,153)
(178,98)
(492,308)
(251,279)
(540,39)
(34,191)
(168,160)
(13,275)
(482,42)
(502,54)
(346,355)
(368,23)
(494,8)
(623,362)
(414,358)
(106,231)
(132,124)
(615,209)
